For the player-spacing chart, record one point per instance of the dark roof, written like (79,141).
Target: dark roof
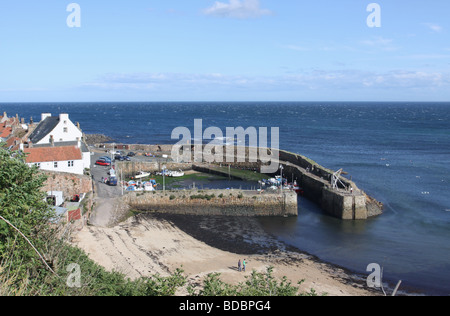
(44,128)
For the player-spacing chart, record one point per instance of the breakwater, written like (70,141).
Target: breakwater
(215,202)
(343,200)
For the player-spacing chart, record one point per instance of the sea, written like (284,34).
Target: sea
(397,152)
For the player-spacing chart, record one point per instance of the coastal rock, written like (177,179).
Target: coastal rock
(92,139)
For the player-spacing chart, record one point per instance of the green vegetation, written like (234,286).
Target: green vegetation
(257,284)
(246,175)
(202,197)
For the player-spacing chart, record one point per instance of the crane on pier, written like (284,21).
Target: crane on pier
(336,178)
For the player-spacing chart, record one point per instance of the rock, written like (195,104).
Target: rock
(92,139)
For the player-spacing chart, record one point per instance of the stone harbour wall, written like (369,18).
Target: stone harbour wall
(219,203)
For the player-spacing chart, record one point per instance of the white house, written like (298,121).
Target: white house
(57,128)
(67,159)
(56,145)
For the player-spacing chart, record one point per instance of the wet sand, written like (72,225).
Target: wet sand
(147,244)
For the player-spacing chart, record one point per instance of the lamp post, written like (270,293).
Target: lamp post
(164,178)
(281,174)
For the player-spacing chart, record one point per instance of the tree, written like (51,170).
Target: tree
(23,204)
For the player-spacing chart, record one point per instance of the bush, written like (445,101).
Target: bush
(257,284)
(202,197)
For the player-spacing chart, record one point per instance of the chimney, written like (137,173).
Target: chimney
(22,121)
(52,141)
(45,115)
(78,142)
(31,120)
(21,147)
(63,117)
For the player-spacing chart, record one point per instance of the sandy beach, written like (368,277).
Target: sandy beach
(148,244)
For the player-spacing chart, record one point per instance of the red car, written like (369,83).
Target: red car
(102,162)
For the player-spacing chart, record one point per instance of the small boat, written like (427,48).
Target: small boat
(176,174)
(141,175)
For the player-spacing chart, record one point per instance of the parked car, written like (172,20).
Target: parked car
(131,154)
(103,162)
(122,158)
(112,181)
(105,157)
(119,158)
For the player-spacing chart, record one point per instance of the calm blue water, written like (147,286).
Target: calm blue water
(397,152)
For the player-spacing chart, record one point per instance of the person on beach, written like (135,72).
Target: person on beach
(244,264)
(239,266)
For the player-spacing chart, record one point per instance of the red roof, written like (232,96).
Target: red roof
(4,133)
(12,142)
(49,154)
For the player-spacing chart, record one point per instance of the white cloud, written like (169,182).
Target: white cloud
(382,43)
(297,48)
(346,79)
(239,9)
(434,27)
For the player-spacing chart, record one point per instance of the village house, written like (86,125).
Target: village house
(66,157)
(59,128)
(56,145)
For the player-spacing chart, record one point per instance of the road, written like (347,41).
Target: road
(106,196)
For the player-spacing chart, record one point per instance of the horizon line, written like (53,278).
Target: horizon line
(225,101)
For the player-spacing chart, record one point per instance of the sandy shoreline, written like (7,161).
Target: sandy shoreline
(148,244)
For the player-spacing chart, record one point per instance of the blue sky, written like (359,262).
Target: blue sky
(227,50)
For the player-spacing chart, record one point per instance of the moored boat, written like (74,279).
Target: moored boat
(141,175)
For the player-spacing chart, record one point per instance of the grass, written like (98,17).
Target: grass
(246,175)
(169,181)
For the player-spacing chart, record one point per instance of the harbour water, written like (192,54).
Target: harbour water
(398,153)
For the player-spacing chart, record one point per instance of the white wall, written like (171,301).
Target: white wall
(59,195)
(78,166)
(58,133)
(86,160)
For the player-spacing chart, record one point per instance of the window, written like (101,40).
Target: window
(70,164)
(55,164)
(38,164)
(65,130)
